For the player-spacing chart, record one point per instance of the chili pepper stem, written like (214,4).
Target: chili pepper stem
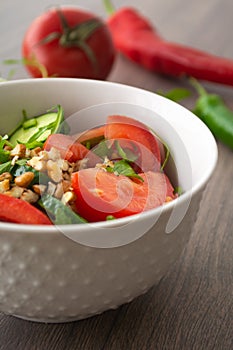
(198,86)
(110,9)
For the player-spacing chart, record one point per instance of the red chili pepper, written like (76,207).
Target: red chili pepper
(138,40)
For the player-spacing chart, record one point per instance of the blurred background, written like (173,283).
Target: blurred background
(188,28)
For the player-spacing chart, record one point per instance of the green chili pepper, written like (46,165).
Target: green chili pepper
(212,110)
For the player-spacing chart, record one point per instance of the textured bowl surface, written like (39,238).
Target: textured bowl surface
(60,274)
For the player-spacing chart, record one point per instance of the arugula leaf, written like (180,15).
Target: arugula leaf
(5,167)
(122,167)
(4,154)
(60,213)
(167,155)
(101,149)
(126,153)
(93,142)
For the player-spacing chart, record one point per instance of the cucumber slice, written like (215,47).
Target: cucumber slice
(46,124)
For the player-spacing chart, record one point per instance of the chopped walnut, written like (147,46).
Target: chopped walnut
(54,170)
(19,151)
(35,152)
(4,185)
(5,176)
(59,191)
(37,163)
(29,196)
(39,189)
(15,191)
(54,154)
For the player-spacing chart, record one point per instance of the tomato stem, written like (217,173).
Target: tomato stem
(76,36)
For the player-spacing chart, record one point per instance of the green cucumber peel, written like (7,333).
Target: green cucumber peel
(33,132)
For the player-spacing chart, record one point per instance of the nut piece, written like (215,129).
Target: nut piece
(66,185)
(37,163)
(54,154)
(29,196)
(19,151)
(59,191)
(4,185)
(15,191)
(5,176)
(25,179)
(68,197)
(39,189)
(35,152)
(54,170)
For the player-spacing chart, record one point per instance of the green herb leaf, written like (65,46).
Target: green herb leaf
(102,150)
(167,155)
(4,156)
(176,94)
(5,167)
(59,213)
(110,217)
(178,190)
(125,153)
(122,167)
(93,142)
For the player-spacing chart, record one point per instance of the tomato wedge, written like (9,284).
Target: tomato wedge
(125,128)
(91,134)
(99,193)
(18,211)
(70,149)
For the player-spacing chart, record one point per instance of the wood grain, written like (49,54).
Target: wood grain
(191,308)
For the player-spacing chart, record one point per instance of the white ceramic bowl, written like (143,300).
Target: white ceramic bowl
(60,274)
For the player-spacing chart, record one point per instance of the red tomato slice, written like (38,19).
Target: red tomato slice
(99,193)
(91,134)
(125,128)
(18,211)
(70,149)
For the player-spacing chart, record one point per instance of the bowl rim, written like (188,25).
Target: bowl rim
(46,229)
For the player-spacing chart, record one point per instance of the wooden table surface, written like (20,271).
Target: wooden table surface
(191,307)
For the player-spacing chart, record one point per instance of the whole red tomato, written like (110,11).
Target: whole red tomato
(68,42)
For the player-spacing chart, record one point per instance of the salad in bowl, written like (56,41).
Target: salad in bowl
(48,176)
